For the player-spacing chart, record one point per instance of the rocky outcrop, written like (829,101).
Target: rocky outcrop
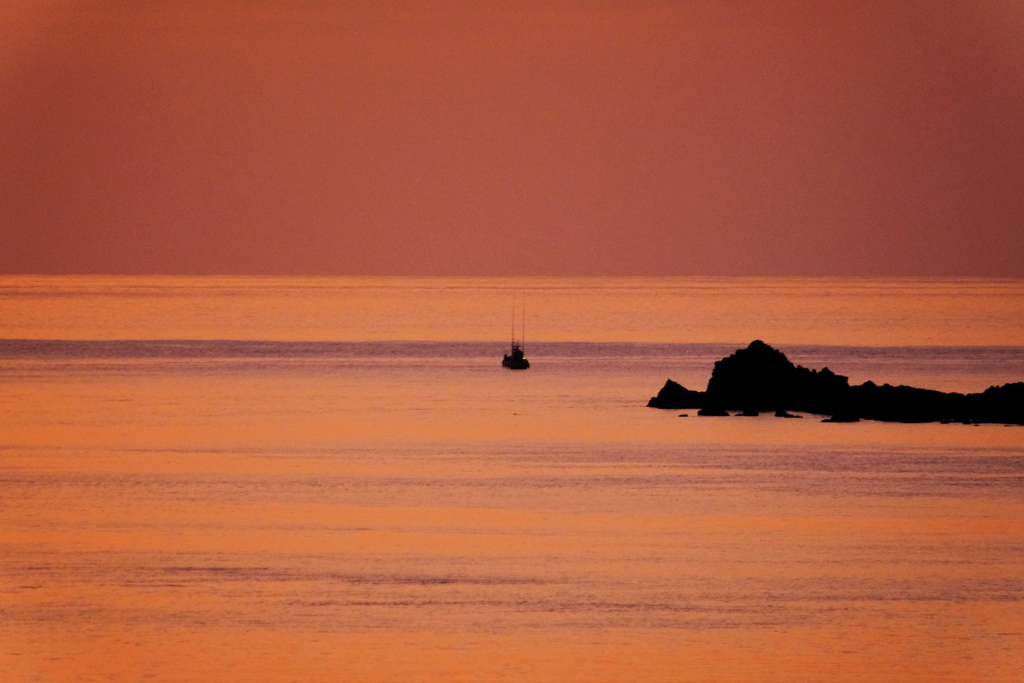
(998,404)
(762,378)
(676,397)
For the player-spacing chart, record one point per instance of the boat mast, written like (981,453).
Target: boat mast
(523,347)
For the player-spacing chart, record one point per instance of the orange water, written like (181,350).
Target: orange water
(404,513)
(858,312)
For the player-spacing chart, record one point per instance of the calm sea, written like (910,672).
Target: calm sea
(316,479)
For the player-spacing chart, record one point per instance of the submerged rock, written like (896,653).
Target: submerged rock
(762,378)
(842,418)
(712,412)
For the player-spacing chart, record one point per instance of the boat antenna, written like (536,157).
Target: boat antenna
(524,324)
(513,317)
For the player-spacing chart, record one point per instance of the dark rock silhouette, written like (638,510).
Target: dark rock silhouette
(762,378)
(676,397)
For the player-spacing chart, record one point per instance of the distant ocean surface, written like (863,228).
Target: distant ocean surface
(320,479)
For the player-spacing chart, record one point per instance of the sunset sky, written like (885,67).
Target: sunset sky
(527,137)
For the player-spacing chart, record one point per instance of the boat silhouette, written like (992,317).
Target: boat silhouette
(517,359)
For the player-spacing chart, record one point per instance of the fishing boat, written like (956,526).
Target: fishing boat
(517,359)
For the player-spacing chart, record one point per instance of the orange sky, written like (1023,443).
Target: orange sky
(560,137)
